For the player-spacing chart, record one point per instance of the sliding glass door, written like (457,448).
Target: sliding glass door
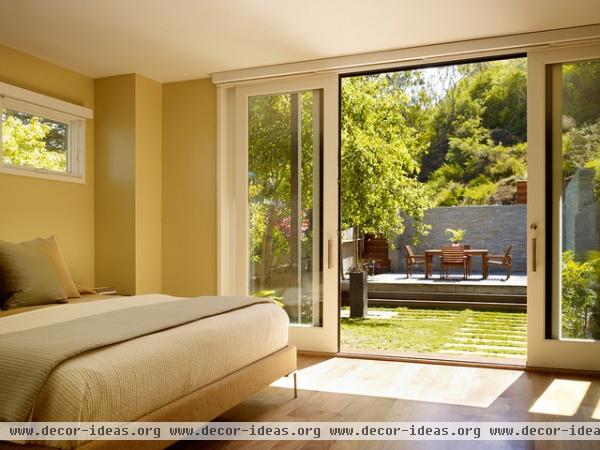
(564,128)
(286,186)
(284,201)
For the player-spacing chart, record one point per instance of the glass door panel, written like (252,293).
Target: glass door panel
(564,214)
(283,205)
(284,202)
(576,198)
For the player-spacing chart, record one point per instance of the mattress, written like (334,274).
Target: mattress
(125,381)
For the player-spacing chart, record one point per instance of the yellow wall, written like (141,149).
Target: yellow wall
(115,182)
(148,185)
(146,139)
(189,188)
(128,190)
(33,207)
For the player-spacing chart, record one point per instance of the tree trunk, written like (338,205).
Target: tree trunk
(267,251)
(356,248)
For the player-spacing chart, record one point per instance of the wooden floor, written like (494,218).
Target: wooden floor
(342,389)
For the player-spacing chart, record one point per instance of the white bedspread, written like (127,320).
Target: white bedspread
(125,381)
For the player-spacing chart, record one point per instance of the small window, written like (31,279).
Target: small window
(41,142)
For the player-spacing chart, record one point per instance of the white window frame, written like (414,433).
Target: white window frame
(74,116)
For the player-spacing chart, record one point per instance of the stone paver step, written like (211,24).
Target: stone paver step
(491,337)
(498,329)
(497,342)
(505,332)
(486,320)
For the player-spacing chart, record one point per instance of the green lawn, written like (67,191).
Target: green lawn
(452,332)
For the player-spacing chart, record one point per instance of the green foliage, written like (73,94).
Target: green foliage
(478,172)
(581,91)
(455,236)
(24,143)
(270,293)
(578,295)
(502,90)
(580,146)
(482,98)
(480,194)
(382,143)
(478,144)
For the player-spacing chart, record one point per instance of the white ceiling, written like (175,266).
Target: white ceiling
(170,40)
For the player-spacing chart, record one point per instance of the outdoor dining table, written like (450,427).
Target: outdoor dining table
(429,254)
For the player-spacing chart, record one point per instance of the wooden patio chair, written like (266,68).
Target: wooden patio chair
(469,260)
(412,260)
(453,255)
(501,260)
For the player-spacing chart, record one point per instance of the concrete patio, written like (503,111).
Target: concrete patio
(456,280)
(394,289)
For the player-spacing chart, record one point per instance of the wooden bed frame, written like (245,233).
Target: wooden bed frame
(204,404)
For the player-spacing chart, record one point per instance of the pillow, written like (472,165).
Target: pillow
(28,275)
(64,275)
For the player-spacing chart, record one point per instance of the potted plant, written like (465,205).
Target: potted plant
(455,236)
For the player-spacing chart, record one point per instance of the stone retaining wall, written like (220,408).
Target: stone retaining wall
(492,227)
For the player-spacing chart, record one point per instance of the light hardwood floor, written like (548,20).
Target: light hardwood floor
(342,389)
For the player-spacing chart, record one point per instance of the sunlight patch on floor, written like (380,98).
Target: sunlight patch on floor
(596,412)
(562,398)
(454,385)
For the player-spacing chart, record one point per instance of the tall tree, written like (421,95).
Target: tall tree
(380,157)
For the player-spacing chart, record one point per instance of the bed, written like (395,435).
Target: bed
(189,372)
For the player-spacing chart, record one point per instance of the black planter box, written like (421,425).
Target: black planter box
(358,294)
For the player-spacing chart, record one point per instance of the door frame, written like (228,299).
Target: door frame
(233,256)
(540,350)
(544,350)
(479,57)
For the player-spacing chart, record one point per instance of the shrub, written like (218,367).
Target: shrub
(268,293)
(578,295)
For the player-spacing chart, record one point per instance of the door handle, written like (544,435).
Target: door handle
(330,254)
(533,227)
(534,255)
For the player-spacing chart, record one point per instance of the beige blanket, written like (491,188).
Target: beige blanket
(27,357)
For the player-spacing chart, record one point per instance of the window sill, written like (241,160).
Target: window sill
(41,173)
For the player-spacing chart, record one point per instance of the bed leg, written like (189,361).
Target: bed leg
(295,385)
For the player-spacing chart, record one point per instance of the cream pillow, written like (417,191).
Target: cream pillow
(61,267)
(28,275)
